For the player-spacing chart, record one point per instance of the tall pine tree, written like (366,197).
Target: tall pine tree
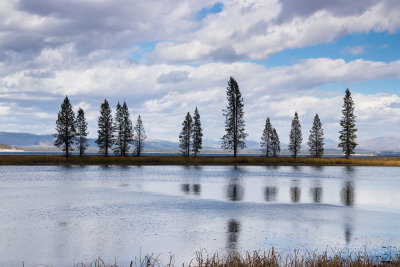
(185,135)
(82,133)
(119,129)
(140,136)
(234,138)
(124,131)
(128,130)
(295,138)
(316,138)
(348,122)
(275,143)
(106,129)
(266,138)
(65,136)
(197,133)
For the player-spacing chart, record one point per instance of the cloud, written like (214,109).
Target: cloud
(305,8)
(254,30)
(394,105)
(93,25)
(173,77)
(39,74)
(355,50)
(227,31)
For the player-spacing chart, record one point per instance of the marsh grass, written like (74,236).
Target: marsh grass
(177,160)
(265,258)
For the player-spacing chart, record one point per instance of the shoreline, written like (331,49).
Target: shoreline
(198,161)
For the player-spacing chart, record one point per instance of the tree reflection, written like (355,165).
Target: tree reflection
(197,189)
(233,234)
(295,194)
(235,192)
(316,193)
(348,193)
(349,172)
(348,199)
(270,193)
(296,168)
(185,188)
(317,167)
(272,167)
(347,233)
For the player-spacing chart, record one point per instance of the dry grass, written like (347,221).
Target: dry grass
(177,160)
(266,258)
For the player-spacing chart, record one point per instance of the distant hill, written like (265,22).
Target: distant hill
(45,142)
(213,144)
(26,139)
(377,144)
(382,143)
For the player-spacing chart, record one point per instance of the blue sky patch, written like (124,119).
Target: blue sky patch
(141,49)
(216,8)
(388,86)
(372,46)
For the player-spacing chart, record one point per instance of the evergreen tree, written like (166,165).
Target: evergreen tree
(275,143)
(347,134)
(119,128)
(65,135)
(106,128)
(128,130)
(295,136)
(184,136)
(234,138)
(316,138)
(266,138)
(81,127)
(197,133)
(139,137)
(124,132)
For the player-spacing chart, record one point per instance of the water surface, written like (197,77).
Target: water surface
(57,214)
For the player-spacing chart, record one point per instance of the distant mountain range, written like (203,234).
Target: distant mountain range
(377,144)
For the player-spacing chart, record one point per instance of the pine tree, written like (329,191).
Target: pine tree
(140,136)
(197,133)
(347,134)
(128,130)
(82,133)
(234,138)
(124,132)
(184,136)
(295,136)
(65,135)
(266,138)
(106,128)
(316,138)
(119,128)
(275,143)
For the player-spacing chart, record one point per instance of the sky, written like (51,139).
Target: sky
(164,58)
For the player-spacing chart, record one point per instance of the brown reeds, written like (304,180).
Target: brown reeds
(177,160)
(269,258)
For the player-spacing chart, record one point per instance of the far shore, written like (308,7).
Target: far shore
(201,160)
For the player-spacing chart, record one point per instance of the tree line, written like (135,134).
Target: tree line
(119,135)
(235,135)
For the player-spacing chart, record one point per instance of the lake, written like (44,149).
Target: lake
(61,215)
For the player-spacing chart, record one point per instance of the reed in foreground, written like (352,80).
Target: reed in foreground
(266,258)
(177,160)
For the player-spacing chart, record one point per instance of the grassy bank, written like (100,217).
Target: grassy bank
(268,258)
(177,160)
